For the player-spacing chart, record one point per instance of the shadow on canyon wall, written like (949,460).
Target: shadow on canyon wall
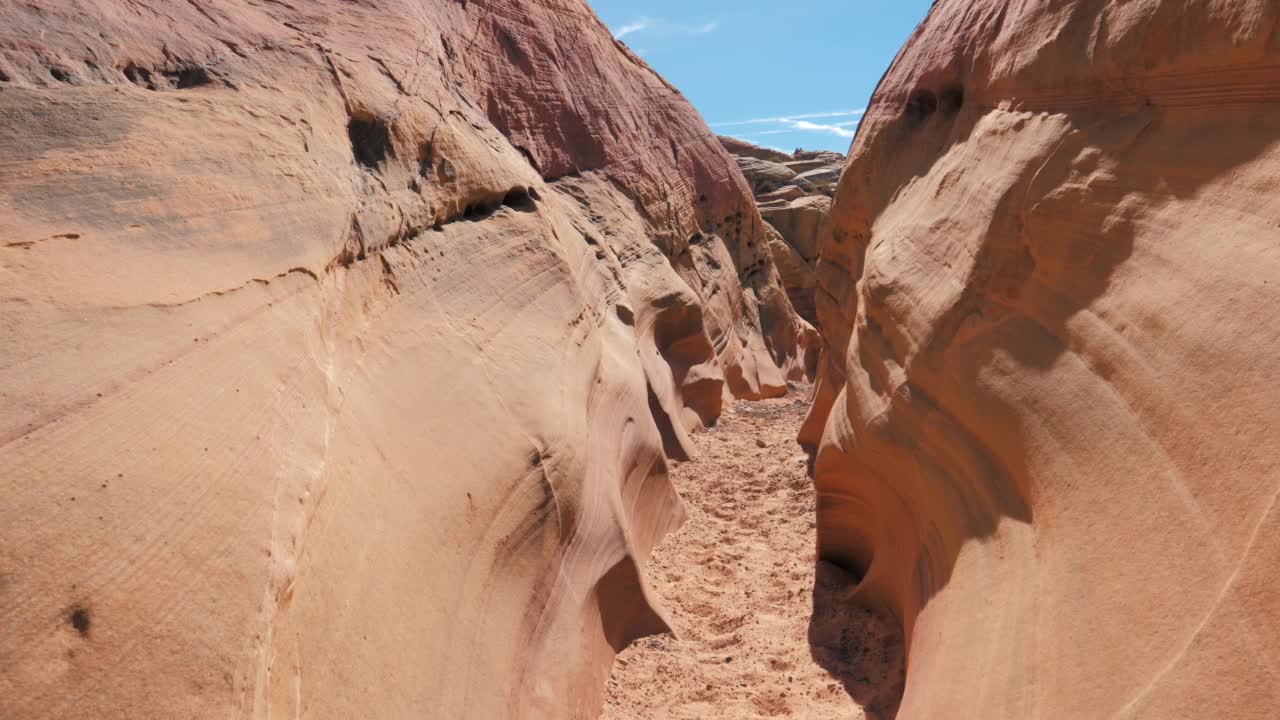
(944,461)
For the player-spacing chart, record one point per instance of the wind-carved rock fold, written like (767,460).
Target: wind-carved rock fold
(793,193)
(1045,413)
(344,344)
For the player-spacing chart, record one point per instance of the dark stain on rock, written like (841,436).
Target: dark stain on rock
(923,103)
(80,619)
(370,140)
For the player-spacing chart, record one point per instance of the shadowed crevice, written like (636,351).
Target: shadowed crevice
(625,612)
(861,647)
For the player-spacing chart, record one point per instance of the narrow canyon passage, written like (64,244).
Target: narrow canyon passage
(737,582)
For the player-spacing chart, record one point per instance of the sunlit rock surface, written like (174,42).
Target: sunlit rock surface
(343,344)
(1045,426)
(793,194)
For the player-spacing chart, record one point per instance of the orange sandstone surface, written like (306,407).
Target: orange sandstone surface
(343,347)
(1045,430)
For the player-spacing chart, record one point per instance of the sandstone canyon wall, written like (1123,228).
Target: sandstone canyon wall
(1046,424)
(343,343)
(793,193)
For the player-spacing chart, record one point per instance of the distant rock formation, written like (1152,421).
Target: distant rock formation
(742,148)
(793,194)
(1046,417)
(343,344)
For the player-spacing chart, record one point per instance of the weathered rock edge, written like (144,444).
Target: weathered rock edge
(1044,430)
(344,343)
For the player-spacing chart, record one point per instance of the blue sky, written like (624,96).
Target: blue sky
(781,73)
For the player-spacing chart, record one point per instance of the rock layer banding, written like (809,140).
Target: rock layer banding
(344,344)
(1044,430)
(793,193)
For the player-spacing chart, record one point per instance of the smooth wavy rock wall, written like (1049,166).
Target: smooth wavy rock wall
(343,343)
(1046,429)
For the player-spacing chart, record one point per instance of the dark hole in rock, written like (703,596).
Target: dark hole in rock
(952,99)
(4,76)
(80,620)
(370,140)
(438,227)
(696,239)
(188,76)
(922,104)
(625,315)
(533,193)
(60,75)
(478,211)
(139,75)
(519,199)
(675,151)
(702,198)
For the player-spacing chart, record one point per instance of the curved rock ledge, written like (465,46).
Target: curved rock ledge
(1044,428)
(342,345)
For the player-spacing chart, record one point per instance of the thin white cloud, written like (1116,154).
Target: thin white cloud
(665,28)
(792,118)
(638,25)
(843,132)
(794,124)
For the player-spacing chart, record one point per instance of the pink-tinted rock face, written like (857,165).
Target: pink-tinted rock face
(799,224)
(742,148)
(343,344)
(795,208)
(1045,426)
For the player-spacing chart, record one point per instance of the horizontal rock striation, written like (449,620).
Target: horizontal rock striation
(1044,430)
(793,194)
(343,347)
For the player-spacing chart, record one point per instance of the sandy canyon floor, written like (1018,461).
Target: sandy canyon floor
(737,582)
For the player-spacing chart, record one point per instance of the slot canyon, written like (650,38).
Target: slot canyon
(435,359)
